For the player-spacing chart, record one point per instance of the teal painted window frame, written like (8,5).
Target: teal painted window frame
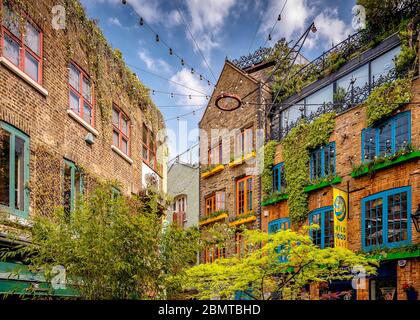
(325,231)
(14,132)
(276,225)
(81,186)
(279,182)
(322,161)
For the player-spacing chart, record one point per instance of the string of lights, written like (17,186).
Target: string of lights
(194,112)
(195,42)
(166,79)
(173,94)
(142,22)
(269,38)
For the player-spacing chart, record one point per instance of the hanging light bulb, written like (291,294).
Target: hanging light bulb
(153,92)
(194,113)
(201,77)
(192,70)
(177,118)
(182,62)
(313,28)
(124,1)
(189,96)
(172,95)
(141,21)
(170,51)
(269,37)
(207,98)
(208,82)
(157,38)
(279,17)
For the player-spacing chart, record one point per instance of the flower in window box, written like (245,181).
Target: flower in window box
(410,291)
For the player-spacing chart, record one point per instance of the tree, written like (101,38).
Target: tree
(274,265)
(111,247)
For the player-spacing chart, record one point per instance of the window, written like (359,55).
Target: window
(356,79)
(244,142)
(387,138)
(244,195)
(14,170)
(276,225)
(215,154)
(24,50)
(213,253)
(149,147)
(240,244)
(279,179)
(322,161)
(80,93)
(324,218)
(73,186)
(386,219)
(120,130)
(179,214)
(317,99)
(383,64)
(215,202)
(291,114)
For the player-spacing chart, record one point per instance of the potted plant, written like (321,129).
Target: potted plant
(410,291)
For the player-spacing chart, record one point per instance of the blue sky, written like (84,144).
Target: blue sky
(221,28)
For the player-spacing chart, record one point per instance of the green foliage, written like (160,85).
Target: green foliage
(111,247)
(213,215)
(261,271)
(386,98)
(267,173)
(406,59)
(296,146)
(242,216)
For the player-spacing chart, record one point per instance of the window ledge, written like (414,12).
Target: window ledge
(23,76)
(122,154)
(210,220)
(323,184)
(14,218)
(386,164)
(87,126)
(396,255)
(274,199)
(212,171)
(242,159)
(242,221)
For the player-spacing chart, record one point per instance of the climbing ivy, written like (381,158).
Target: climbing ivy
(267,172)
(296,146)
(386,98)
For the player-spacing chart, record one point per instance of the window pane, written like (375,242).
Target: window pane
(32,38)
(317,99)
(152,159)
(282,179)
(329,229)
(87,113)
(316,233)
(31,66)
(74,77)
(152,141)
(369,144)
(4,167)
(67,188)
(124,126)
(249,194)
(291,115)
(115,138)
(74,102)
(316,166)
(383,64)
(115,118)
(329,160)
(248,147)
(11,50)
(385,145)
(124,146)
(373,222)
(397,217)
(241,197)
(145,153)
(144,134)
(87,94)
(19,174)
(238,148)
(78,183)
(276,179)
(401,132)
(360,77)
(11,21)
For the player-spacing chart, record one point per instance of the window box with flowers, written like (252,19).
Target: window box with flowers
(240,160)
(211,170)
(410,291)
(215,216)
(241,219)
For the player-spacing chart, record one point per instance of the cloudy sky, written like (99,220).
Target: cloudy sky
(219,29)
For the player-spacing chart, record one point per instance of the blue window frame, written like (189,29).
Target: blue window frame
(386,138)
(276,225)
(73,186)
(14,171)
(324,218)
(279,179)
(386,219)
(322,161)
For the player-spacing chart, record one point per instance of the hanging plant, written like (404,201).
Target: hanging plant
(296,146)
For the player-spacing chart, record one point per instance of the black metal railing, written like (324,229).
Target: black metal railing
(353,96)
(252,59)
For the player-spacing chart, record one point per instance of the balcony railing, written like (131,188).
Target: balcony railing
(354,96)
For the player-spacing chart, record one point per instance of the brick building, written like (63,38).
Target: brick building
(383,196)
(71,114)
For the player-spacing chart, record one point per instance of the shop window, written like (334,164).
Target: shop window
(324,218)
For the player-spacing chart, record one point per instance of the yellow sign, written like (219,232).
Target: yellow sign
(341,211)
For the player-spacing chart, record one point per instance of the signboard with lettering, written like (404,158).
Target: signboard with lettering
(340,205)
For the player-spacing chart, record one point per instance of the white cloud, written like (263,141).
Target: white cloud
(330,29)
(114,21)
(153,64)
(293,19)
(190,80)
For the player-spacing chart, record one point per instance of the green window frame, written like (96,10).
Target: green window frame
(17,188)
(73,185)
